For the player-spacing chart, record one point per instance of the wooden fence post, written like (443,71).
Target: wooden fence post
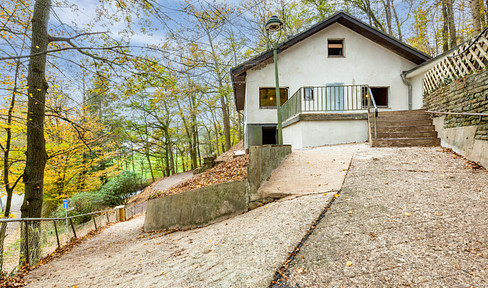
(56,230)
(94,222)
(72,227)
(27,242)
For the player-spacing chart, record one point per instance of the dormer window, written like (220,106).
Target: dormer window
(335,48)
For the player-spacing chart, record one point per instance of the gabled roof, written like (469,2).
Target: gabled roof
(239,73)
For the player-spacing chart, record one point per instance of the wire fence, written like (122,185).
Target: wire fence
(27,240)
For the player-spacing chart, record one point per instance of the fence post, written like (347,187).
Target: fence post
(94,222)
(108,219)
(27,242)
(56,230)
(72,227)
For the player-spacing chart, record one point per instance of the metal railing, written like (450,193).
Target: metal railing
(375,115)
(459,113)
(331,99)
(27,240)
(324,99)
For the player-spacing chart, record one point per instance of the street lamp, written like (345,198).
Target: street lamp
(274,24)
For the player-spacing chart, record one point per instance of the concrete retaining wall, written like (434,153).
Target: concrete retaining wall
(463,141)
(467,135)
(202,206)
(263,160)
(197,207)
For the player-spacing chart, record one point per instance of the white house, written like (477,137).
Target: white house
(326,75)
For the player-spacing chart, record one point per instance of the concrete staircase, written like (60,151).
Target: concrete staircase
(403,129)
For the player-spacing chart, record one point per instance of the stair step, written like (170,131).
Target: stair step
(408,134)
(406,142)
(397,123)
(403,112)
(401,117)
(404,129)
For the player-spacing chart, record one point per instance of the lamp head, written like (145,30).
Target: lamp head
(274,24)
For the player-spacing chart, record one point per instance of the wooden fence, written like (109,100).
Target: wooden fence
(468,58)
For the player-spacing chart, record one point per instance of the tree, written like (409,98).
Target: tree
(476,13)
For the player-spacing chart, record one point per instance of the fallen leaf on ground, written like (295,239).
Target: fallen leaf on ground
(231,170)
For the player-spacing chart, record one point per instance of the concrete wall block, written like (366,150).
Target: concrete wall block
(197,207)
(263,160)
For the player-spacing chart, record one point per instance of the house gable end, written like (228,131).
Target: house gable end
(345,20)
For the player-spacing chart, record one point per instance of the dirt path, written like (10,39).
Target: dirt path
(160,185)
(244,251)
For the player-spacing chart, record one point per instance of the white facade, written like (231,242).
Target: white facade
(305,134)
(307,64)
(303,61)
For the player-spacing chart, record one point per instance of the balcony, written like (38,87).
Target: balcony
(327,103)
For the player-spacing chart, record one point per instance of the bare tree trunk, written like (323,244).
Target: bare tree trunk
(223,103)
(36,155)
(475,12)
(398,24)
(445,27)
(147,149)
(387,6)
(452,25)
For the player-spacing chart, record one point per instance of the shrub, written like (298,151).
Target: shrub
(82,203)
(115,192)
(118,189)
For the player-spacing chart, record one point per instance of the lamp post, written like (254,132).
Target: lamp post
(274,24)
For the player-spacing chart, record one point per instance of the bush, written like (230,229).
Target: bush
(115,192)
(119,189)
(82,203)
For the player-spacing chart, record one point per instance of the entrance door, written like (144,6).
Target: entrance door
(269,135)
(334,97)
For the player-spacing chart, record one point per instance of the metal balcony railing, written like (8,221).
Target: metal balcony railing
(330,99)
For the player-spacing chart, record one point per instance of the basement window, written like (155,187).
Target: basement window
(267,97)
(380,95)
(335,48)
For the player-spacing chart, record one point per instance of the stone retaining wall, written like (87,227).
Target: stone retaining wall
(467,135)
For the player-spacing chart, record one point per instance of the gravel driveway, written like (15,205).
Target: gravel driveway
(406,217)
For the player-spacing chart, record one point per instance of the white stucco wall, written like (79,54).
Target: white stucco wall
(316,133)
(417,83)
(416,79)
(307,64)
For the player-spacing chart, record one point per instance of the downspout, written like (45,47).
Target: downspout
(409,85)
(244,130)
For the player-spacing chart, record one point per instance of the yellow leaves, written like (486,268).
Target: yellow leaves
(336,195)
(349,263)
(407,214)
(349,212)
(301,270)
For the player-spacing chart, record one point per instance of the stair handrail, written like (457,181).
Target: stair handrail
(458,113)
(371,99)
